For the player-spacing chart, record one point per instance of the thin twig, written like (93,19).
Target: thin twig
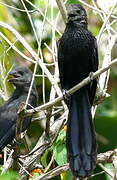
(55,172)
(35,68)
(34,6)
(15,49)
(29,49)
(48,115)
(49,165)
(35,56)
(106,20)
(95,9)
(106,170)
(17,9)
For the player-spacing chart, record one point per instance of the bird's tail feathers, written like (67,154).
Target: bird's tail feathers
(81,140)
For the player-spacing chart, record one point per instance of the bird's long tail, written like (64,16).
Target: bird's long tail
(81,139)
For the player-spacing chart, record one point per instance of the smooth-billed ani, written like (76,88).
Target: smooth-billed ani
(77,58)
(21,79)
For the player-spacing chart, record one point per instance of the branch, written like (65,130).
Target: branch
(62,9)
(55,172)
(42,14)
(72,90)
(43,143)
(47,129)
(29,49)
(34,55)
(95,8)
(107,171)
(15,49)
(17,9)
(105,22)
(19,123)
(106,157)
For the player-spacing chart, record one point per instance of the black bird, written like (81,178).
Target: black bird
(21,79)
(77,58)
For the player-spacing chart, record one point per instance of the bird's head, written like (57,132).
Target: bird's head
(77,14)
(20,76)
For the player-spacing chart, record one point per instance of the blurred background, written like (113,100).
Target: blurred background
(42,36)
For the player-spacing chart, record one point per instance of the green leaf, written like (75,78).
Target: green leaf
(110,168)
(44,158)
(61,138)
(9,176)
(60,154)
(67,175)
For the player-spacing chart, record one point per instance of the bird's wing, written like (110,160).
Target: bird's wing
(61,66)
(95,56)
(7,126)
(94,59)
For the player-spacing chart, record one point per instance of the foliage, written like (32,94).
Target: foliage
(9,176)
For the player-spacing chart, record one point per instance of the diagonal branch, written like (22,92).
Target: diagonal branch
(72,90)
(62,9)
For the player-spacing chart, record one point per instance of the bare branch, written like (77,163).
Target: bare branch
(95,8)
(107,171)
(42,144)
(43,15)
(102,158)
(16,148)
(74,89)
(17,50)
(106,20)
(34,55)
(30,50)
(17,9)
(62,9)
(55,172)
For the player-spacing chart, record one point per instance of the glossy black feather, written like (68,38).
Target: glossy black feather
(8,112)
(77,58)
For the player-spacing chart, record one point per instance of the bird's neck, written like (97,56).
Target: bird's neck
(20,91)
(17,93)
(76,24)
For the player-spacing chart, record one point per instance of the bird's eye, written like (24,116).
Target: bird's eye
(78,11)
(20,72)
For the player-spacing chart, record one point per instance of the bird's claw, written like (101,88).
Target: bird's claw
(66,95)
(91,76)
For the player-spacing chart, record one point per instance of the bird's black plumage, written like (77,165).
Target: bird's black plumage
(21,78)
(77,58)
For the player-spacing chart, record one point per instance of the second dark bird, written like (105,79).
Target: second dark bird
(21,79)
(77,58)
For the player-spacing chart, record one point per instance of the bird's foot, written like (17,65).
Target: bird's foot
(66,95)
(91,74)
